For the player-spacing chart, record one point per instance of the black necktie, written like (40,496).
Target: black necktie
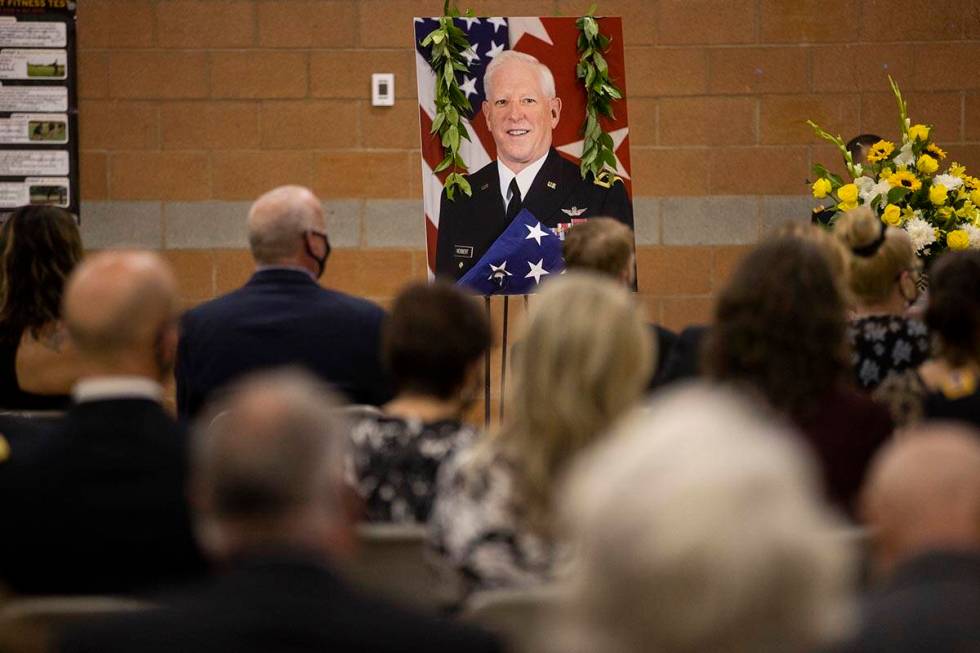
(514,206)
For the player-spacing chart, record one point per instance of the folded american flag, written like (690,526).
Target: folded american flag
(518,260)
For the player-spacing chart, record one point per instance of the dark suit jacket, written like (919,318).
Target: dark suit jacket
(102,508)
(931,603)
(469,225)
(277,604)
(281,317)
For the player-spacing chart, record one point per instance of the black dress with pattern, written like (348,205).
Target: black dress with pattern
(886,344)
(394,462)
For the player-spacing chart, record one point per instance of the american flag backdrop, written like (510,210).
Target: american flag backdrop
(553,42)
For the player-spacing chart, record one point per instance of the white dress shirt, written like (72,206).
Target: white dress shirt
(524,178)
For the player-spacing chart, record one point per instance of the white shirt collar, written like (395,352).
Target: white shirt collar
(116,387)
(524,178)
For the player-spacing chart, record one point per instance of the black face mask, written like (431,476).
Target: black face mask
(321,261)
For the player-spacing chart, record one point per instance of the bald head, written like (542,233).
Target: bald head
(923,493)
(117,303)
(278,221)
(270,454)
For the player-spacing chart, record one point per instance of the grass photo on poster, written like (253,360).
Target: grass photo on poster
(54,69)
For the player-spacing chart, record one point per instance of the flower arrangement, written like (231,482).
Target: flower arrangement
(903,183)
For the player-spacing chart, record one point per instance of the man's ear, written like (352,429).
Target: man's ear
(555,111)
(486,114)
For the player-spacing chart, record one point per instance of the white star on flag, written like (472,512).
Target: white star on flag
(495,49)
(520,26)
(499,271)
(536,233)
(497,23)
(618,136)
(469,86)
(537,271)
(469,21)
(471,54)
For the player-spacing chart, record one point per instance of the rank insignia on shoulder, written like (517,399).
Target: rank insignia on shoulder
(485,186)
(4,448)
(606,179)
(552,185)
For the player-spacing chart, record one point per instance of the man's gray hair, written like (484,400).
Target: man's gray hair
(546,79)
(272,445)
(277,220)
(699,527)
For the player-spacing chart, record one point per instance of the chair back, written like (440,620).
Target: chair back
(32,625)
(513,615)
(392,561)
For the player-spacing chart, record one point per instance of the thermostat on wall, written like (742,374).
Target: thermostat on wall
(383,89)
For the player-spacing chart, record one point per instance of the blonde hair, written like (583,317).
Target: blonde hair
(874,274)
(709,512)
(585,359)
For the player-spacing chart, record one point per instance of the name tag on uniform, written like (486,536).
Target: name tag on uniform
(463,251)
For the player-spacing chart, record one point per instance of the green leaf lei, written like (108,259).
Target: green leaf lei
(448,45)
(600,92)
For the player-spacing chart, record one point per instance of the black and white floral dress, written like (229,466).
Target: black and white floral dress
(478,527)
(886,344)
(393,464)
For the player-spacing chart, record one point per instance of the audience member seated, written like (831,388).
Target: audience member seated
(922,502)
(780,332)
(685,358)
(267,477)
(282,316)
(605,246)
(39,247)
(101,509)
(945,386)
(884,270)
(698,526)
(433,345)
(584,360)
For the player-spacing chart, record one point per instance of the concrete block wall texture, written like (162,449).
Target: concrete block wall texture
(189,109)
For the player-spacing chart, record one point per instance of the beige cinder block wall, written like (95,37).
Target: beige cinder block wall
(191,108)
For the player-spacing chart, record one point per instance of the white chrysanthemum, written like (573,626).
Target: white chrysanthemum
(951,182)
(905,156)
(974,234)
(921,233)
(868,189)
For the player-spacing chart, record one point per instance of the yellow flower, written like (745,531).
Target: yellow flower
(937,194)
(892,215)
(821,187)
(848,194)
(880,151)
(847,206)
(936,151)
(945,212)
(905,180)
(958,239)
(970,182)
(975,197)
(956,169)
(918,133)
(885,173)
(926,164)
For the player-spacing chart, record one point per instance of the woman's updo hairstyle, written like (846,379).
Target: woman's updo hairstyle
(879,253)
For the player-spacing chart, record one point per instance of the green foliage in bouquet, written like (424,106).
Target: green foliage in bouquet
(448,45)
(903,184)
(600,93)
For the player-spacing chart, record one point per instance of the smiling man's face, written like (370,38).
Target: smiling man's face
(519,115)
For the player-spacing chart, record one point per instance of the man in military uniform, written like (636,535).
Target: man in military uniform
(521,111)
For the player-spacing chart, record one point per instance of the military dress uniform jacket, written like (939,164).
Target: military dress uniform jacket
(468,226)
